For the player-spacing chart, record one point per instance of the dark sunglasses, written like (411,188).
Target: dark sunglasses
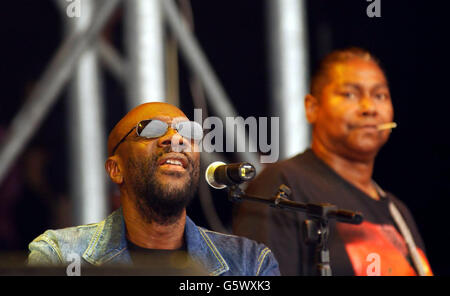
(154,128)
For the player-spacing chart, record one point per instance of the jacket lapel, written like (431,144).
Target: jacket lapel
(108,244)
(201,248)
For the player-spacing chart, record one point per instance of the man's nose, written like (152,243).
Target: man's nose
(368,106)
(174,139)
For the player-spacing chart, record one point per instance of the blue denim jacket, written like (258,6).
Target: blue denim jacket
(105,243)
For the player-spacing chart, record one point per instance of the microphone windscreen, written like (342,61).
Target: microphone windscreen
(209,175)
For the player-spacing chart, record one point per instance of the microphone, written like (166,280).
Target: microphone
(220,175)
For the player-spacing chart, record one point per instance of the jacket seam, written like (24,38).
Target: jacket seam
(52,245)
(112,257)
(224,266)
(218,233)
(88,225)
(264,253)
(94,239)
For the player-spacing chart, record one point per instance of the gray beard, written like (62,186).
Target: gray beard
(157,202)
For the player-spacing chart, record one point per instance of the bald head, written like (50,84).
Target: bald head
(141,112)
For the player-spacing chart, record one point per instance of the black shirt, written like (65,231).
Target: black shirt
(352,247)
(155,257)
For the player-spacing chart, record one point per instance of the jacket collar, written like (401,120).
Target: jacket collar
(108,244)
(201,248)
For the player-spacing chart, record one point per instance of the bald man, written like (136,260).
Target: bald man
(153,157)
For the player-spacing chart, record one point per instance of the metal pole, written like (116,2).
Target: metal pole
(86,130)
(145,52)
(48,88)
(289,69)
(197,61)
(112,60)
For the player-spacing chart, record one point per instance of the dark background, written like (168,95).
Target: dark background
(409,39)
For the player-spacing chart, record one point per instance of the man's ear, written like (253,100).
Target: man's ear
(311,108)
(113,169)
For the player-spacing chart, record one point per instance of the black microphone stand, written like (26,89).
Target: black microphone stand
(315,228)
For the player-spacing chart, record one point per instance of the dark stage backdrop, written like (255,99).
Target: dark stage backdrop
(414,165)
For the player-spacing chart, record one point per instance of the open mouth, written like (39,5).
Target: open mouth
(174,161)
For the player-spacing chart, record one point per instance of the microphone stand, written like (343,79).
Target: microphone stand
(315,228)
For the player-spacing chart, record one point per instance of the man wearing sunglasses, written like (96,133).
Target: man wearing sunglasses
(153,157)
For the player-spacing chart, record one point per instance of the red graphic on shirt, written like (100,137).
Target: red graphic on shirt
(378,250)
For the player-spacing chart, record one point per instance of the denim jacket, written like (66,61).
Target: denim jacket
(105,243)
